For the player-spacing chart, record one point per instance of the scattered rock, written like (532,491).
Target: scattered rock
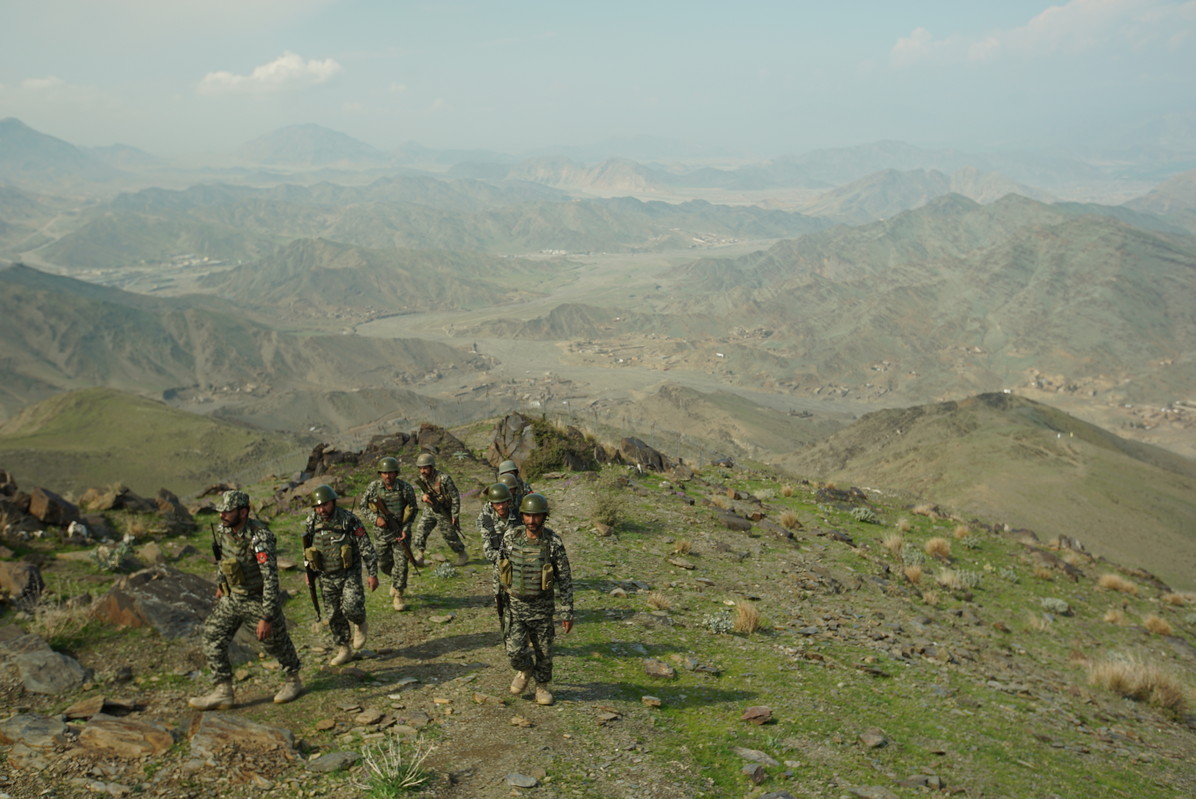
(755,755)
(520,721)
(658,668)
(333,761)
(754,772)
(651,701)
(759,714)
(127,738)
(50,672)
(873,738)
(522,781)
(680,563)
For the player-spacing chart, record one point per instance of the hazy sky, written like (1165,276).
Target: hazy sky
(761,78)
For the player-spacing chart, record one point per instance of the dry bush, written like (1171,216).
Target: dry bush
(961,532)
(931,598)
(829,485)
(1115,616)
(1037,622)
(747,618)
(720,502)
(1178,600)
(658,601)
(1028,540)
(950,579)
(925,509)
(790,521)
(893,542)
(1157,625)
(1073,558)
(913,573)
(1115,582)
(788,491)
(1044,573)
(938,547)
(1130,677)
(903,525)
(682,547)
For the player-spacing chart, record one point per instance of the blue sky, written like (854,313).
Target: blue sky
(755,78)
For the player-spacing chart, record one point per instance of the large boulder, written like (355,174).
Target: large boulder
(173,602)
(49,508)
(21,583)
(216,736)
(514,439)
(636,453)
(439,441)
(48,672)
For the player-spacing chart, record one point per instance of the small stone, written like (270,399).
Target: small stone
(333,761)
(758,714)
(658,668)
(619,593)
(368,718)
(323,725)
(754,772)
(520,721)
(651,701)
(681,563)
(522,781)
(873,738)
(445,619)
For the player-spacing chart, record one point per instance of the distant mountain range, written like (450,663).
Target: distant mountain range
(308,145)
(32,159)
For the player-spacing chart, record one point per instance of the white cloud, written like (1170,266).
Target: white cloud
(285,73)
(1079,26)
(48,83)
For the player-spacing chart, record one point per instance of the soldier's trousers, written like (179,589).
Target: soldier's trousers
(429,521)
(227,617)
(393,561)
(529,636)
(344,602)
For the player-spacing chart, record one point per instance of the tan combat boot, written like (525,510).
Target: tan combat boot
(291,689)
(543,695)
(359,633)
(343,655)
(462,559)
(220,698)
(520,681)
(399,603)
(419,557)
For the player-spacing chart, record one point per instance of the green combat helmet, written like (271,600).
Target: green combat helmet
(534,503)
(322,494)
(498,493)
(388,465)
(509,480)
(231,500)
(508,466)
(425,459)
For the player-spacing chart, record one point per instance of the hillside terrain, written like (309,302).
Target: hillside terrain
(738,633)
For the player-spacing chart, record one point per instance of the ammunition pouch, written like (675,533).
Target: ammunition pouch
(346,556)
(233,574)
(314,558)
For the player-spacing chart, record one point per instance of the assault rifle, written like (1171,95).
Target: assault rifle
(312,574)
(396,525)
(439,502)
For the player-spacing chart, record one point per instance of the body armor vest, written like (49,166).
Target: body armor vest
(238,561)
(333,547)
(527,573)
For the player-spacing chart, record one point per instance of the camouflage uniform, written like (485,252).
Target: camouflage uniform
(530,624)
(248,577)
(492,529)
(344,547)
(391,558)
(441,514)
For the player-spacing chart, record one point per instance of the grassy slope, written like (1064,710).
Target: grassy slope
(985,692)
(94,437)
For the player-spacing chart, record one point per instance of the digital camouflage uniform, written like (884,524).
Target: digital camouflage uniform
(439,513)
(391,558)
(249,578)
(530,625)
(492,528)
(344,547)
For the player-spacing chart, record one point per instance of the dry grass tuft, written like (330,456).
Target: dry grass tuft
(893,542)
(913,573)
(961,532)
(1073,558)
(925,509)
(1115,616)
(1157,625)
(950,579)
(788,491)
(1044,573)
(790,521)
(682,547)
(1115,582)
(1037,622)
(931,598)
(903,525)
(938,547)
(1134,679)
(658,601)
(720,502)
(1177,600)
(747,618)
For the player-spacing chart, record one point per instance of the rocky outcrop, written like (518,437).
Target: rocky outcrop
(173,602)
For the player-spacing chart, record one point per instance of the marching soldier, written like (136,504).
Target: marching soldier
(534,569)
(508,470)
(496,517)
(246,593)
(442,509)
(394,526)
(339,547)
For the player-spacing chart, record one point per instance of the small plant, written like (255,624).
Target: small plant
(787,491)
(950,579)
(445,571)
(1157,625)
(1043,573)
(912,556)
(113,557)
(1115,582)
(894,543)
(388,771)
(904,525)
(913,573)
(658,601)
(1132,678)
(606,506)
(1057,606)
(747,618)
(1008,573)
(682,547)
(719,623)
(763,494)
(720,502)
(1174,599)
(931,598)
(924,510)
(790,521)
(961,532)
(864,514)
(1037,622)
(938,547)
(1115,616)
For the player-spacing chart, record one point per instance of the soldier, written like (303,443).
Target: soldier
(246,593)
(394,534)
(521,488)
(442,508)
(496,517)
(339,547)
(515,485)
(534,569)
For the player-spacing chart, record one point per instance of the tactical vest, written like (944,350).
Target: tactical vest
(526,572)
(333,549)
(238,561)
(396,502)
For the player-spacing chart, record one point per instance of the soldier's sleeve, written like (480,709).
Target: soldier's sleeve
(488,526)
(266,553)
(564,579)
(363,505)
(365,546)
(409,500)
(450,490)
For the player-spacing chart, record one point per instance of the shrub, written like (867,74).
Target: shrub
(387,771)
(787,491)
(893,542)
(913,573)
(445,571)
(606,504)
(1044,573)
(1115,582)
(938,547)
(931,598)
(1008,573)
(790,521)
(904,525)
(961,532)
(949,579)
(720,502)
(1115,616)
(865,515)
(1037,622)
(658,601)
(923,510)
(682,547)
(1057,606)
(747,618)
(1157,625)
(719,623)
(1178,600)
(1130,677)
(912,556)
